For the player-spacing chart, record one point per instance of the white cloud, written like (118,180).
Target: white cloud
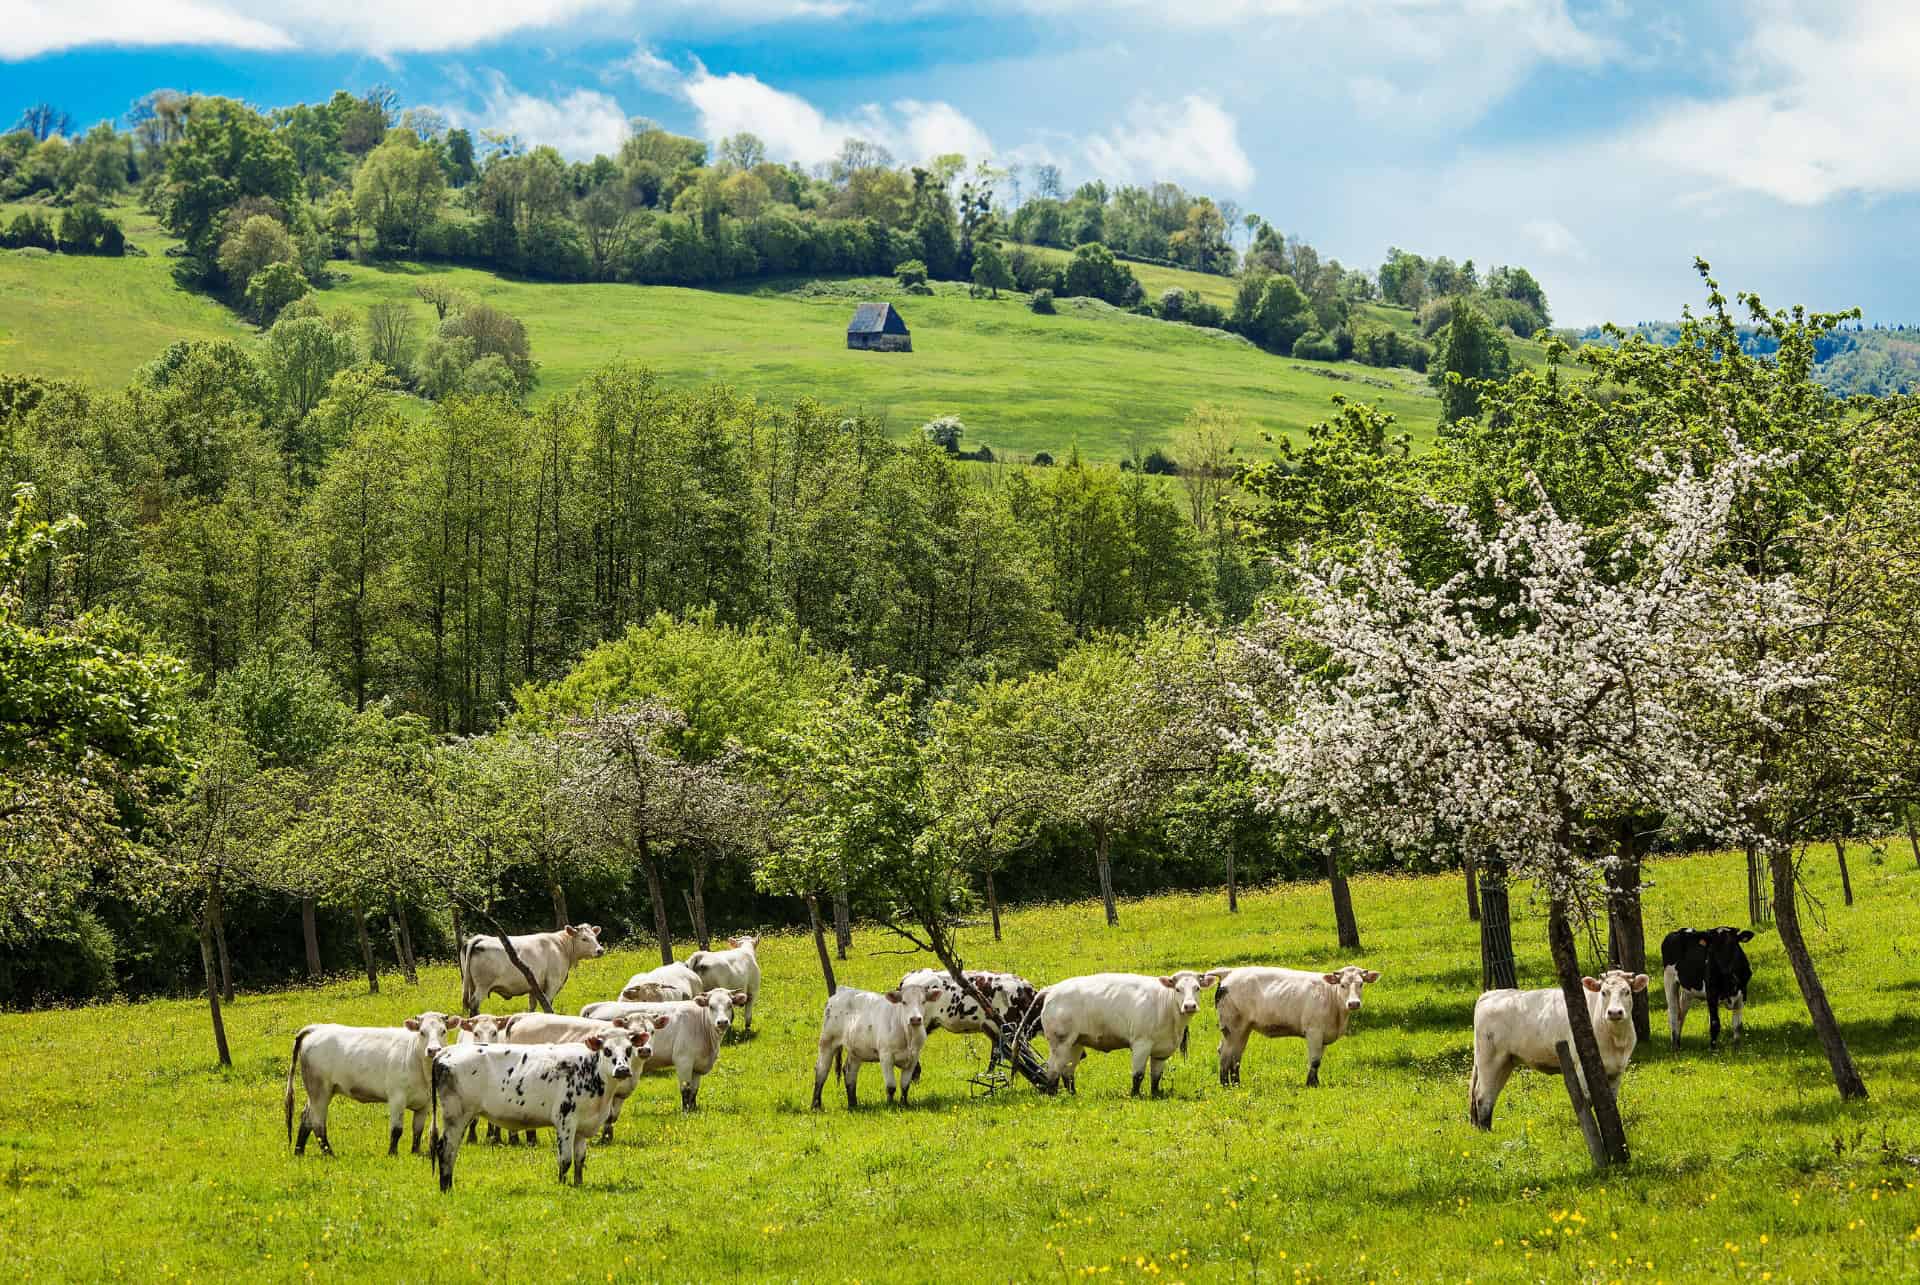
(795,130)
(579,124)
(1196,140)
(380,27)
(1825,106)
(1553,238)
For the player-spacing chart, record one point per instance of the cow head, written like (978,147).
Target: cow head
(1724,956)
(1348,982)
(719,1006)
(749,943)
(618,1049)
(432,1029)
(915,999)
(1616,991)
(487,1028)
(583,941)
(1187,985)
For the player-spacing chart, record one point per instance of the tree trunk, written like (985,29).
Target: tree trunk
(1759,911)
(1786,917)
(366,947)
(1497,970)
(1473,890)
(993,904)
(820,944)
(1233,883)
(217,912)
(1566,963)
(1846,880)
(208,966)
(842,923)
(453,910)
(1913,835)
(699,904)
(1626,926)
(1344,922)
(657,893)
(403,938)
(1102,861)
(310,930)
(560,917)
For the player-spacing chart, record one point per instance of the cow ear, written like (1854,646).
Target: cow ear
(1590,983)
(660,1021)
(466,1023)
(701,999)
(741,997)
(1331,979)
(1745,936)
(1639,982)
(1208,979)
(1370,976)
(413,1023)
(594,1042)
(934,992)
(893,997)
(620,1022)
(1167,982)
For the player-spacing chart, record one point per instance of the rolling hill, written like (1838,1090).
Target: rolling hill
(1090,376)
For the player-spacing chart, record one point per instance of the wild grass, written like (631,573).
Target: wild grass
(125,1153)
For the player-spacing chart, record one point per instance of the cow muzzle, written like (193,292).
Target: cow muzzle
(1189,1008)
(1353,1006)
(1616,1015)
(623,1073)
(916,1020)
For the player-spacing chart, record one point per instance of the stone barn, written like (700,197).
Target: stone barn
(876,327)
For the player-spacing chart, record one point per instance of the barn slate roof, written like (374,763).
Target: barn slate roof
(876,318)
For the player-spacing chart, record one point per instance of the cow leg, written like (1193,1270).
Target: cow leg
(1490,1075)
(396,1118)
(449,1145)
(1142,1053)
(1713,1019)
(473,1130)
(308,1114)
(1738,1007)
(822,1065)
(909,1076)
(419,1127)
(563,1145)
(580,1143)
(1676,1004)
(689,1091)
(886,1076)
(1233,1046)
(1059,1064)
(1159,1068)
(1316,1045)
(493,1132)
(853,1079)
(533,1137)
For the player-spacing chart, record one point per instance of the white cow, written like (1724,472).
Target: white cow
(690,1042)
(568,1086)
(1109,1011)
(558,1028)
(658,985)
(485,969)
(862,1026)
(1281,1002)
(389,1064)
(1512,1028)
(734,969)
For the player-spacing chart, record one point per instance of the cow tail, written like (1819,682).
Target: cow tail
(293,1065)
(434,1072)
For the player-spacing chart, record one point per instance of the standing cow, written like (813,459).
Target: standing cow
(1706,964)
(1010,995)
(1280,1002)
(689,1044)
(862,1026)
(389,1064)
(734,969)
(1513,1028)
(568,1086)
(556,1028)
(485,969)
(1110,1011)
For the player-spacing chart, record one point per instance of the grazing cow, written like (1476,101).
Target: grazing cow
(736,969)
(1010,995)
(568,1086)
(1706,963)
(1511,1028)
(1109,1011)
(557,1028)
(863,1027)
(690,1042)
(1280,1002)
(485,969)
(389,1064)
(659,985)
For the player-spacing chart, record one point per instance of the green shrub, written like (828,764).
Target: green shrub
(1316,345)
(911,273)
(1042,301)
(29,231)
(73,962)
(273,288)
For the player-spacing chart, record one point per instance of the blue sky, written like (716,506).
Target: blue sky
(1603,143)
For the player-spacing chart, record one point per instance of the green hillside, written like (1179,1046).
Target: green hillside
(1090,375)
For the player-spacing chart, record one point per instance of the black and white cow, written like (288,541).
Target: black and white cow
(1010,994)
(1706,964)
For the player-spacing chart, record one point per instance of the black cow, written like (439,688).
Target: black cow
(1706,963)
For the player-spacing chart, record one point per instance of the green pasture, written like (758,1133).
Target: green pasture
(125,1153)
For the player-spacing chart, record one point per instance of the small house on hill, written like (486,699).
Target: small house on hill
(876,327)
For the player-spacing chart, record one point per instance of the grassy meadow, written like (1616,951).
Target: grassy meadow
(124,1152)
(1091,376)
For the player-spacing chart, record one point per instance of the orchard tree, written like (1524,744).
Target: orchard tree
(1525,722)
